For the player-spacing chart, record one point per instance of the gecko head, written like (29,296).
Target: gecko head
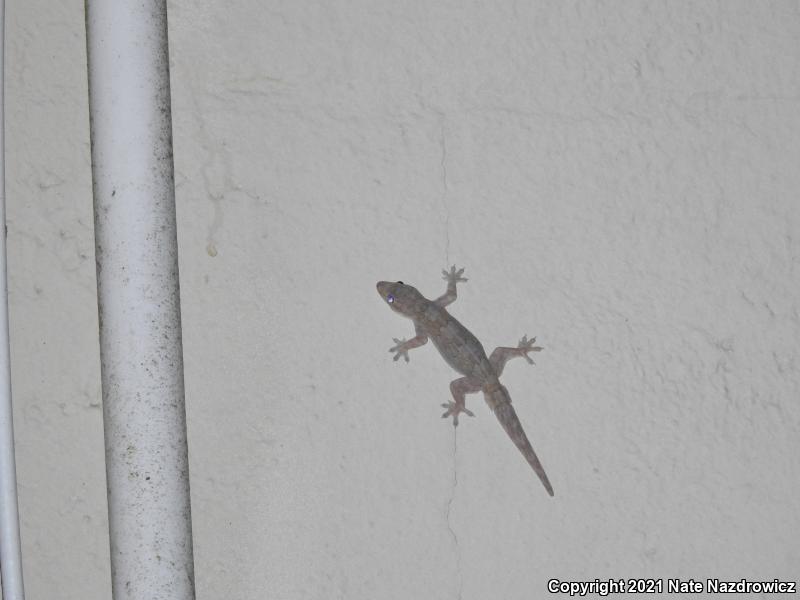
(400,297)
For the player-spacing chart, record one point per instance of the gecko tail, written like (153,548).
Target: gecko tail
(507,416)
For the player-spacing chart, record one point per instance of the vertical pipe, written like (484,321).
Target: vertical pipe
(138,300)
(10,553)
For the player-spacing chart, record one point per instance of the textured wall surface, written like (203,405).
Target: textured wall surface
(619,179)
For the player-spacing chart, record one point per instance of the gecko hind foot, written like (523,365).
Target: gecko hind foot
(527,345)
(399,349)
(454,410)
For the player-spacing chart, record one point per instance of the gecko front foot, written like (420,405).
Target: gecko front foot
(454,276)
(454,410)
(400,349)
(527,345)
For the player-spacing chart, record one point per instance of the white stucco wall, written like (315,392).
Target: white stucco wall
(619,179)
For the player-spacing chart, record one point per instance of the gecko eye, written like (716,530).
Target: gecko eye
(390,298)
(400,282)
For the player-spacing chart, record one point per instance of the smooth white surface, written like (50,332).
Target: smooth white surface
(139,303)
(10,550)
(618,179)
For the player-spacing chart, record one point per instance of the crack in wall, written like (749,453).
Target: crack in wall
(216,223)
(447,515)
(443,163)
(214,168)
(441,116)
(446,207)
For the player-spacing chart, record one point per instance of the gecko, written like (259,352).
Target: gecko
(463,352)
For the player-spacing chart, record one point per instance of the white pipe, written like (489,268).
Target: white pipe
(138,300)
(10,553)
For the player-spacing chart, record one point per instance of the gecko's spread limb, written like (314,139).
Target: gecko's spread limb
(501,355)
(454,276)
(400,349)
(527,345)
(454,409)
